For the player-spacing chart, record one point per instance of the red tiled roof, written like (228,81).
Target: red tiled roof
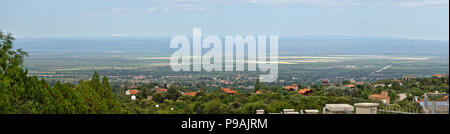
(229,91)
(294,87)
(190,93)
(303,91)
(158,90)
(258,92)
(289,87)
(360,83)
(133,91)
(383,95)
(350,86)
(376,96)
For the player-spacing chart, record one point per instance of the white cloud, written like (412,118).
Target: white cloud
(423,3)
(116,35)
(112,11)
(340,10)
(186,5)
(118,9)
(400,3)
(216,5)
(253,1)
(151,10)
(197,3)
(195,9)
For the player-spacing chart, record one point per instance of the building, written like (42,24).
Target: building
(311,111)
(400,82)
(293,87)
(260,111)
(338,109)
(350,86)
(290,111)
(439,75)
(225,82)
(384,97)
(305,91)
(258,92)
(325,82)
(139,77)
(402,96)
(366,108)
(229,91)
(353,81)
(360,83)
(379,85)
(409,77)
(190,93)
(131,92)
(160,90)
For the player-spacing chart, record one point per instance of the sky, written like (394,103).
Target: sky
(415,19)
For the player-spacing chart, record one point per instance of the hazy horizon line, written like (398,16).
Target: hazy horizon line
(223,35)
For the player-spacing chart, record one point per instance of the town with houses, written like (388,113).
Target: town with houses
(427,106)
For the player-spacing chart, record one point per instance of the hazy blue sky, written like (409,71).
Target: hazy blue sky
(419,19)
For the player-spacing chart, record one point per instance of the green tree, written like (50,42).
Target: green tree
(257,85)
(173,93)
(158,97)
